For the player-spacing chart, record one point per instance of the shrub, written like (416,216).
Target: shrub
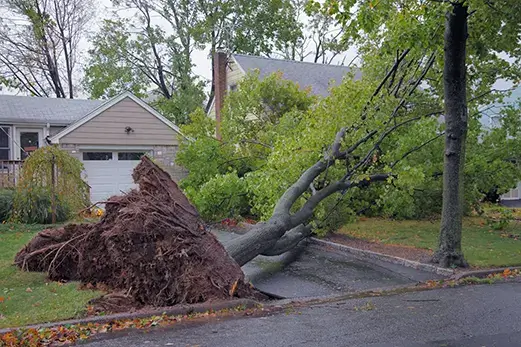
(32,199)
(6,204)
(224,196)
(38,209)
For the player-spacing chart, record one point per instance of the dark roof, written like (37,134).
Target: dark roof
(32,109)
(317,76)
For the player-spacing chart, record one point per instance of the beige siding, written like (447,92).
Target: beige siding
(55,130)
(233,76)
(108,128)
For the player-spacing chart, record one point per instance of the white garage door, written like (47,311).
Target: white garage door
(109,173)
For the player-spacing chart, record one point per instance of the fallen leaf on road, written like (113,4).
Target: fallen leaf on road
(71,334)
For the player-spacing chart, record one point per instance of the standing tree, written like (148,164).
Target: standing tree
(319,40)
(490,46)
(138,53)
(39,45)
(455,94)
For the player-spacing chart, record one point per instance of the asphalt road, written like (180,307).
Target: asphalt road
(486,315)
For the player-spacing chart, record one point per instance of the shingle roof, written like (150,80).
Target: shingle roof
(317,76)
(31,109)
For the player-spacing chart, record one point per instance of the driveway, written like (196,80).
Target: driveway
(486,315)
(315,270)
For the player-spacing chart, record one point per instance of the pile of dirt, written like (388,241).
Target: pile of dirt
(151,244)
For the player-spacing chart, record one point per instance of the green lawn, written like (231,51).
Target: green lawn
(28,297)
(482,246)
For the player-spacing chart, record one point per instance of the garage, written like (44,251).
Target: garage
(109,173)
(111,139)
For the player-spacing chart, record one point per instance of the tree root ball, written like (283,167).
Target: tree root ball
(150,244)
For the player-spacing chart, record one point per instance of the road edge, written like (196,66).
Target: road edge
(169,311)
(366,254)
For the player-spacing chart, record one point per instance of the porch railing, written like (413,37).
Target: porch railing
(9,172)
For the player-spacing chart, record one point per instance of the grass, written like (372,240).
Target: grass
(482,246)
(28,297)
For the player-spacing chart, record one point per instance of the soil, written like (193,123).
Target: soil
(405,252)
(150,248)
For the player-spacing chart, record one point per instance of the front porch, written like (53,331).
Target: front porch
(9,173)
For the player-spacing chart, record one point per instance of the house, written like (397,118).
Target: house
(108,136)
(491,119)
(229,69)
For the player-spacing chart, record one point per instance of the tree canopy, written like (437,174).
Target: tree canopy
(39,45)
(265,148)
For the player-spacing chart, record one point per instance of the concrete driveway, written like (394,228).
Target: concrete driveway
(313,270)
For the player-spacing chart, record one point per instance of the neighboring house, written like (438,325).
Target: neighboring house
(230,69)
(491,119)
(108,136)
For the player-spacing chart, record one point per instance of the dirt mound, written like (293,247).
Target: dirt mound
(151,244)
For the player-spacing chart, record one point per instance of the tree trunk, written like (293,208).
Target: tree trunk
(449,250)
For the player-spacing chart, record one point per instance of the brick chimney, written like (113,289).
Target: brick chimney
(220,87)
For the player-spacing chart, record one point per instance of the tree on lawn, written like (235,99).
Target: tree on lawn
(480,46)
(364,138)
(39,45)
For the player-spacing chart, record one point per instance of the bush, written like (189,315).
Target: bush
(224,196)
(6,204)
(32,199)
(38,208)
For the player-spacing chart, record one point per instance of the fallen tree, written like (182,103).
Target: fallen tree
(357,148)
(152,244)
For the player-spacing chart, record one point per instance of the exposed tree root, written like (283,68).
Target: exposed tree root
(150,245)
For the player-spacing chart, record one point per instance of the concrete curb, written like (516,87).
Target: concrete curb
(482,273)
(371,293)
(365,254)
(170,311)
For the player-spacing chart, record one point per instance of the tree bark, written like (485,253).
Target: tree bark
(449,250)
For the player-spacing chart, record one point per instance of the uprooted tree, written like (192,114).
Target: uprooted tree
(152,244)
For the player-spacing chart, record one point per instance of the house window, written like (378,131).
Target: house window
(233,87)
(130,155)
(97,155)
(4,143)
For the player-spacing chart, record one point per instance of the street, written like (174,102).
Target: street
(485,315)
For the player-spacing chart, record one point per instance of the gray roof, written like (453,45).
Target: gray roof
(32,109)
(317,76)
